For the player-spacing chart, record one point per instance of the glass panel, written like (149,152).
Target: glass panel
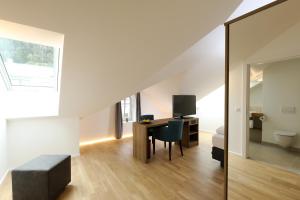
(30,64)
(264,96)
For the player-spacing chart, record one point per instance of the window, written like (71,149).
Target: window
(127,109)
(25,64)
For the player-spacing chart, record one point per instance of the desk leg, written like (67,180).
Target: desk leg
(148,148)
(140,143)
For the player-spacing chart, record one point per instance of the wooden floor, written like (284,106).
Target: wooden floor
(254,180)
(109,171)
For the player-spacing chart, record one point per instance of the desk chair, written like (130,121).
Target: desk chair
(170,133)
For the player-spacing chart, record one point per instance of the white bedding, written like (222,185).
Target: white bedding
(218,140)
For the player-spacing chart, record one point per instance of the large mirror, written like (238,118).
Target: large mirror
(264,104)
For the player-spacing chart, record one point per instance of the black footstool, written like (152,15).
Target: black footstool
(42,178)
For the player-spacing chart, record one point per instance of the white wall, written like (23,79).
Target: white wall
(235,105)
(98,125)
(28,138)
(3,149)
(256,98)
(101,125)
(3,134)
(206,65)
(210,110)
(157,99)
(281,88)
(199,70)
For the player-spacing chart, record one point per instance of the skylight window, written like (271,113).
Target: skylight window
(26,64)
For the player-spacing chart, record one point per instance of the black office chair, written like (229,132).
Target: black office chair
(171,133)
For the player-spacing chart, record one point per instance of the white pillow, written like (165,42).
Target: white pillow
(220,130)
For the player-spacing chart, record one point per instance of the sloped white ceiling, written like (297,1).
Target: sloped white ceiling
(112,47)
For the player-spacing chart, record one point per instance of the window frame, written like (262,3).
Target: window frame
(131,109)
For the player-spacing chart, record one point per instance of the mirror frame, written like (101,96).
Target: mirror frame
(227,65)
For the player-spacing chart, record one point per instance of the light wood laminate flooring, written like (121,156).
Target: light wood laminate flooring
(108,171)
(255,180)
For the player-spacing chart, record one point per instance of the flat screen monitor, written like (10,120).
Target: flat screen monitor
(184,105)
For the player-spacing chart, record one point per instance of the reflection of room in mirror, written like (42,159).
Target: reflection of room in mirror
(264,136)
(273,121)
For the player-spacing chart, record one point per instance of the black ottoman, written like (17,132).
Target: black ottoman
(42,178)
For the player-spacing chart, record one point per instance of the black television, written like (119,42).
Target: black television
(184,105)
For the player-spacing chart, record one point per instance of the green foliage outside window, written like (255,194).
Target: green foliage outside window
(26,53)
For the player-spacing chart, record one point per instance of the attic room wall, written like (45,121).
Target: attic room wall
(235,103)
(3,135)
(29,138)
(205,79)
(199,71)
(3,149)
(101,125)
(202,71)
(98,125)
(156,100)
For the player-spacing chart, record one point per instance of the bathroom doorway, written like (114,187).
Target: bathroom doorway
(273,112)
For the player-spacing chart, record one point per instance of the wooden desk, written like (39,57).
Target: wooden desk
(141,146)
